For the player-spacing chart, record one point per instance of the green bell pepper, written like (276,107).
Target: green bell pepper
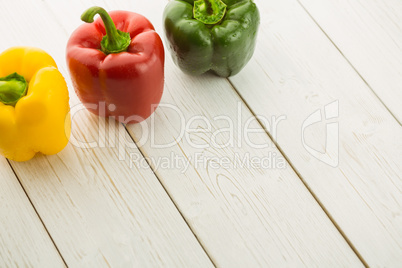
(211,35)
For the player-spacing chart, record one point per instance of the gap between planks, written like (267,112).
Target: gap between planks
(352,247)
(348,61)
(170,197)
(36,212)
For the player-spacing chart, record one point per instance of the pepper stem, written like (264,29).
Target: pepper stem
(209,11)
(12,88)
(115,41)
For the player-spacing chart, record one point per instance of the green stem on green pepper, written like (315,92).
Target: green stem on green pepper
(209,11)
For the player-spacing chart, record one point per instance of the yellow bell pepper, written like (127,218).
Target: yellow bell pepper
(34,104)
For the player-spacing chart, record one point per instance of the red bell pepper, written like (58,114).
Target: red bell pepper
(117,72)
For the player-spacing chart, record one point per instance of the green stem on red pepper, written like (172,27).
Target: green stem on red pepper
(209,11)
(12,88)
(115,41)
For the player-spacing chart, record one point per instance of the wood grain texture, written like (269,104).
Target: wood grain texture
(244,216)
(296,71)
(99,208)
(24,241)
(369,34)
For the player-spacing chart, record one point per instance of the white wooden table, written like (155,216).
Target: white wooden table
(326,84)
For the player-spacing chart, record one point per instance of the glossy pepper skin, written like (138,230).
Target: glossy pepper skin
(38,120)
(126,85)
(223,47)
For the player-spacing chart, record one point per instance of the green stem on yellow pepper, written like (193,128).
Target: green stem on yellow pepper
(12,88)
(115,41)
(209,11)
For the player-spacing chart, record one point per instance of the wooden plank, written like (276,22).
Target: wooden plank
(296,71)
(250,216)
(369,34)
(99,208)
(24,241)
